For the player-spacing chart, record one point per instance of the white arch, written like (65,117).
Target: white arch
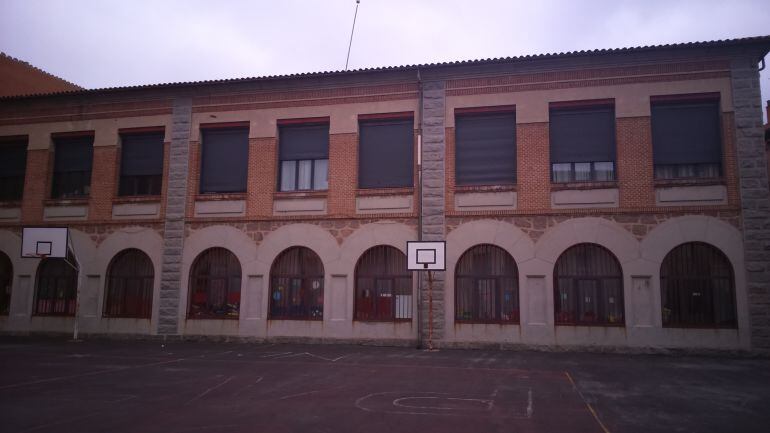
(144,239)
(713,231)
(235,241)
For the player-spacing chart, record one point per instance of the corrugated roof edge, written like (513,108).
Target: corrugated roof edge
(31,66)
(700,44)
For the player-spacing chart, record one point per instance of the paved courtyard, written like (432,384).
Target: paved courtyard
(116,386)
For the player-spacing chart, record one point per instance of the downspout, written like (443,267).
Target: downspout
(419,197)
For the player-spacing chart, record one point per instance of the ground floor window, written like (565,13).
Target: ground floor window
(130,278)
(697,287)
(56,293)
(215,285)
(383,285)
(486,286)
(588,287)
(6,282)
(297,285)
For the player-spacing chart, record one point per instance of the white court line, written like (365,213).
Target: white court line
(210,389)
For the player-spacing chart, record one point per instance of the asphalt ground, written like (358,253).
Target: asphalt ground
(131,386)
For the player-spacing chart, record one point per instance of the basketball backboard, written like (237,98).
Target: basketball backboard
(425,256)
(44,242)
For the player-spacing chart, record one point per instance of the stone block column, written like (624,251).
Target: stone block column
(754,194)
(173,233)
(433,181)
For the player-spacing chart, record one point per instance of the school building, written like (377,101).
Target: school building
(611,198)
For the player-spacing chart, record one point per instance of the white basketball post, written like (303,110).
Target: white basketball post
(427,257)
(54,242)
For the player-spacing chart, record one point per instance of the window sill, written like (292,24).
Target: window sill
(213,318)
(486,322)
(704,327)
(10,203)
(105,316)
(211,196)
(583,185)
(136,199)
(301,194)
(294,319)
(596,325)
(384,191)
(485,188)
(692,181)
(383,320)
(66,201)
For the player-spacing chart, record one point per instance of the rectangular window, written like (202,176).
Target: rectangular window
(304,157)
(141,164)
(13,164)
(73,158)
(386,153)
(485,149)
(582,141)
(224,160)
(686,139)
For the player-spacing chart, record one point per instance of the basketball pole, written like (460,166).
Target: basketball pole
(430,310)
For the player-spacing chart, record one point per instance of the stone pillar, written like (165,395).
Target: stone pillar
(433,224)
(755,199)
(173,233)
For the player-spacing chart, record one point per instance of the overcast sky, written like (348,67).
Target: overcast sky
(105,43)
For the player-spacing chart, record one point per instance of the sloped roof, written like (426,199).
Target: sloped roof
(496,60)
(19,78)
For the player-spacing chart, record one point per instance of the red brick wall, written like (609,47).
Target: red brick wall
(103,182)
(343,174)
(263,175)
(634,159)
(20,78)
(35,185)
(533,175)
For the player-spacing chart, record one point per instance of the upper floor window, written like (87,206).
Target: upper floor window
(697,287)
(304,157)
(73,158)
(141,164)
(386,153)
(224,160)
(13,164)
(686,138)
(582,143)
(485,148)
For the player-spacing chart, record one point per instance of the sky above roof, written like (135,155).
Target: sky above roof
(97,43)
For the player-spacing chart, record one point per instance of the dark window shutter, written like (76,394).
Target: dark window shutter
(142,155)
(13,159)
(303,142)
(73,154)
(485,149)
(686,133)
(386,155)
(582,135)
(224,160)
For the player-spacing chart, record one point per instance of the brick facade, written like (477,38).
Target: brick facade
(341,231)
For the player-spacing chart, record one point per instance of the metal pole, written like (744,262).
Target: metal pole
(77,296)
(430,310)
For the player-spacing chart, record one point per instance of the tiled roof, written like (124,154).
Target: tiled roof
(496,60)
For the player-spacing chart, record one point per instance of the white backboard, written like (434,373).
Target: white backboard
(44,241)
(426,256)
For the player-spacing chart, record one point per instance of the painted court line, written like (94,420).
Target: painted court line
(203,394)
(588,405)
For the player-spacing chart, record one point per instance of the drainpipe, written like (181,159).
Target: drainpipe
(419,196)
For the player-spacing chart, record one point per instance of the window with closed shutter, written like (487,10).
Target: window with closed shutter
(582,144)
(13,164)
(73,158)
(141,164)
(686,139)
(224,160)
(485,149)
(386,154)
